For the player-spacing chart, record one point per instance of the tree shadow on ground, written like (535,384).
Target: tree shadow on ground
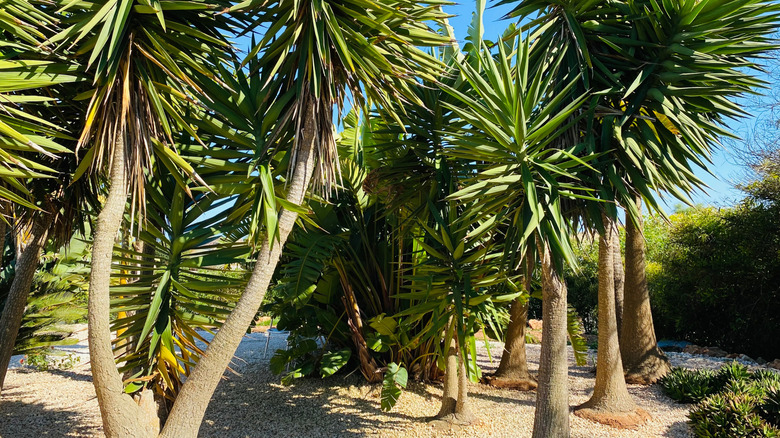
(337,406)
(678,428)
(22,420)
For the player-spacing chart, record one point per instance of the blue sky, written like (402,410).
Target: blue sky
(724,167)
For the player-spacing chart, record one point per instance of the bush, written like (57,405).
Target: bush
(718,279)
(688,386)
(732,402)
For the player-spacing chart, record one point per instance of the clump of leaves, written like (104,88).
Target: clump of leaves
(395,380)
(730,415)
(304,356)
(688,386)
(770,408)
(734,371)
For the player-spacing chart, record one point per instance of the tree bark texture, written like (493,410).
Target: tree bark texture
(643,362)
(455,407)
(122,416)
(16,302)
(620,279)
(513,369)
(193,399)
(610,403)
(551,418)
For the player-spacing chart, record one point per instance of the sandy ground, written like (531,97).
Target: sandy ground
(253,403)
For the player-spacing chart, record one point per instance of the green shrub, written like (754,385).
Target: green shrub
(770,407)
(688,386)
(718,278)
(732,402)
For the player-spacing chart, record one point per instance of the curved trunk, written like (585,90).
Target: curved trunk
(193,399)
(610,403)
(551,418)
(13,310)
(122,416)
(620,280)
(643,362)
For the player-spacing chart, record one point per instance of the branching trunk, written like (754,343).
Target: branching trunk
(551,418)
(13,311)
(610,403)
(620,280)
(122,416)
(643,362)
(455,408)
(193,399)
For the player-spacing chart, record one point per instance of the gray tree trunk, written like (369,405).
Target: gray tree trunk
(643,362)
(122,416)
(193,399)
(16,302)
(551,418)
(610,403)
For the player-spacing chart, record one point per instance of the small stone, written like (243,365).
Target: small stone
(774,364)
(732,355)
(715,352)
(535,324)
(760,360)
(693,349)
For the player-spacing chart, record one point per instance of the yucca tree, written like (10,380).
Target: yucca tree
(141,58)
(648,121)
(314,55)
(520,133)
(36,151)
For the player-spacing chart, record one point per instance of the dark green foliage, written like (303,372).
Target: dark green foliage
(688,386)
(716,278)
(583,284)
(732,402)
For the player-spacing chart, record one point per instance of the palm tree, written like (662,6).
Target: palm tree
(314,55)
(141,57)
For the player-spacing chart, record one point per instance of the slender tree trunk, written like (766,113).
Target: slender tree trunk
(3,231)
(122,416)
(455,408)
(643,362)
(620,279)
(449,398)
(513,369)
(610,403)
(551,418)
(13,311)
(193,399)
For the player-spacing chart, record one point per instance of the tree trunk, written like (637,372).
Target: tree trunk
(513,369)
(643,362)
(449,398)
(122,416)
(455,409)
(610,403)
(551,418)
(3,231)
(620,280)
(13,311)
(193,399)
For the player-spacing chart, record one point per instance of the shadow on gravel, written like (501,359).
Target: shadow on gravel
(80,377)
(255,404)
(678,428)
(34,420)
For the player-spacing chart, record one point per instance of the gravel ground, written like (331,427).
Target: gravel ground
(252,403)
